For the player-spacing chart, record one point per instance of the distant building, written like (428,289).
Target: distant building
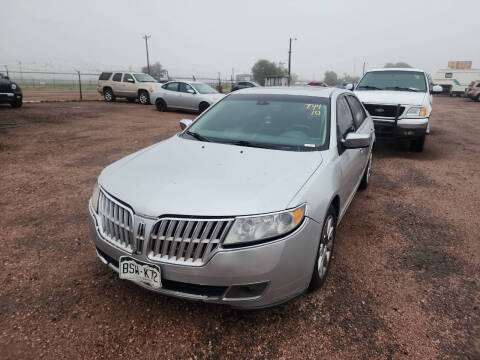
(244,77)
(276,80)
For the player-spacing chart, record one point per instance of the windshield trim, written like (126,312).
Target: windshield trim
(281,147)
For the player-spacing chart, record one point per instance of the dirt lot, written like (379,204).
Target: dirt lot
(59,95)
(405,281)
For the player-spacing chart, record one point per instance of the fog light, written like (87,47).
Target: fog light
(409,132)
(246,291)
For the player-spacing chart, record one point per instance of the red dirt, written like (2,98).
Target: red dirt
(404,282)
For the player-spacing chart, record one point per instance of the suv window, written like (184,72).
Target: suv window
(117,77)
(105,76)
(173,86)
(357,110)
(184,87)
(126,77)
(478,85)
(344,118)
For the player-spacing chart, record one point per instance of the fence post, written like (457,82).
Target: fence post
(80,85)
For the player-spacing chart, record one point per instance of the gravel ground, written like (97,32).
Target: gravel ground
(59,95)
(404,283)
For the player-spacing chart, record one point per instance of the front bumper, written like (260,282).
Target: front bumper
(284,265)
(405,128)
(9,97)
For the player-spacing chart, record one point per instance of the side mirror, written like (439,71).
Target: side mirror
(349,87)
(437,89)
(191,91)
(131,80)
(184,123)
(356,141)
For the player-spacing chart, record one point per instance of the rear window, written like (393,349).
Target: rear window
(105,76)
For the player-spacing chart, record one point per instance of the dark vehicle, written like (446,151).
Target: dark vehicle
(10,92)
(244,84)
(317,83)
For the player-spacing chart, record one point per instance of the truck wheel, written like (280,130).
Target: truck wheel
(109,95)
(325,250)
(144,98)
(366,175)
(477,98)
(16,103)
(417,144)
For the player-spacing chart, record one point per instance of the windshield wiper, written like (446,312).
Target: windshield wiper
(398,88)
(263,145)
(368,87)
(197,136)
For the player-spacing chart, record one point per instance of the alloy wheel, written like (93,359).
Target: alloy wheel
(326,246)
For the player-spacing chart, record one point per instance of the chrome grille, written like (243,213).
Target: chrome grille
(186,241)
(116,222)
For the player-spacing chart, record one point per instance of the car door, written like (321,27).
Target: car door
(350,160)
(188,97)
(171,94)
(362,126)
(117,84)
(129,88)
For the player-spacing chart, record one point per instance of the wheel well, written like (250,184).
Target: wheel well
(160,100)
(336,205)
(142,90)
(106,88)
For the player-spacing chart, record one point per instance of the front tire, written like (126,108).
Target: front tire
(325,250)
(417,144)
(161,105)
(108,95)
(477,98)
(366,175)
(144,98)
(203,106)
(16,103)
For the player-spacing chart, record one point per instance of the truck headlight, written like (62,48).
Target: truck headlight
(255,228)
(13,86)
(417,112)
(95,197)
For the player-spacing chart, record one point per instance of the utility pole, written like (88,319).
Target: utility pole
(290,59)
(146,37)
(363,73)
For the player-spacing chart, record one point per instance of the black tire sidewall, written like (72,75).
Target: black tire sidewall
(161,105)
(110,92)
(316,282)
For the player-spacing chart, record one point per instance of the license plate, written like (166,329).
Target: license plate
(133,269)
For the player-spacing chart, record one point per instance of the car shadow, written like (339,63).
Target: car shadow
(400,148)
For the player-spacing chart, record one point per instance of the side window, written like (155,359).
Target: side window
(105,76)
(243,83)
(173,86)
(357,110)
(478,85)
(448,75)
(344,118)
(128,78)
(184,87)
(117,77)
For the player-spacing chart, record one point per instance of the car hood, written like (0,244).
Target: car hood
(391,97)
(188,177)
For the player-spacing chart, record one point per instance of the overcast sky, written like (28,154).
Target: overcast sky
(210,36)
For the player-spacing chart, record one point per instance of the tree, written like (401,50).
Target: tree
(331,78)
(397,65)
(264,68)
(348,79)
(156,70)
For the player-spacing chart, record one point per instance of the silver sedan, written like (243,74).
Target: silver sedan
(241,207)
(192,96)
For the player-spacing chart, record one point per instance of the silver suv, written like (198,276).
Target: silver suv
(129,85)
(241,207)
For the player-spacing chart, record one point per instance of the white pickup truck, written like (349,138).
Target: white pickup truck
(399,102)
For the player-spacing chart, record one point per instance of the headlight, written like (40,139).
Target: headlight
(255,228)
(418,111)
(95,196)
(14,86)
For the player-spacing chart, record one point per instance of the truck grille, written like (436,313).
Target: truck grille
(116,222)
(186,241)
(6,88)
(388,111)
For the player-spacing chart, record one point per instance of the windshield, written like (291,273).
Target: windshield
(393,80)
(204,88)
(286,122)
(144,78)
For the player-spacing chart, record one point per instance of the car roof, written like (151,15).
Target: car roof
(292,90)
(397,69)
